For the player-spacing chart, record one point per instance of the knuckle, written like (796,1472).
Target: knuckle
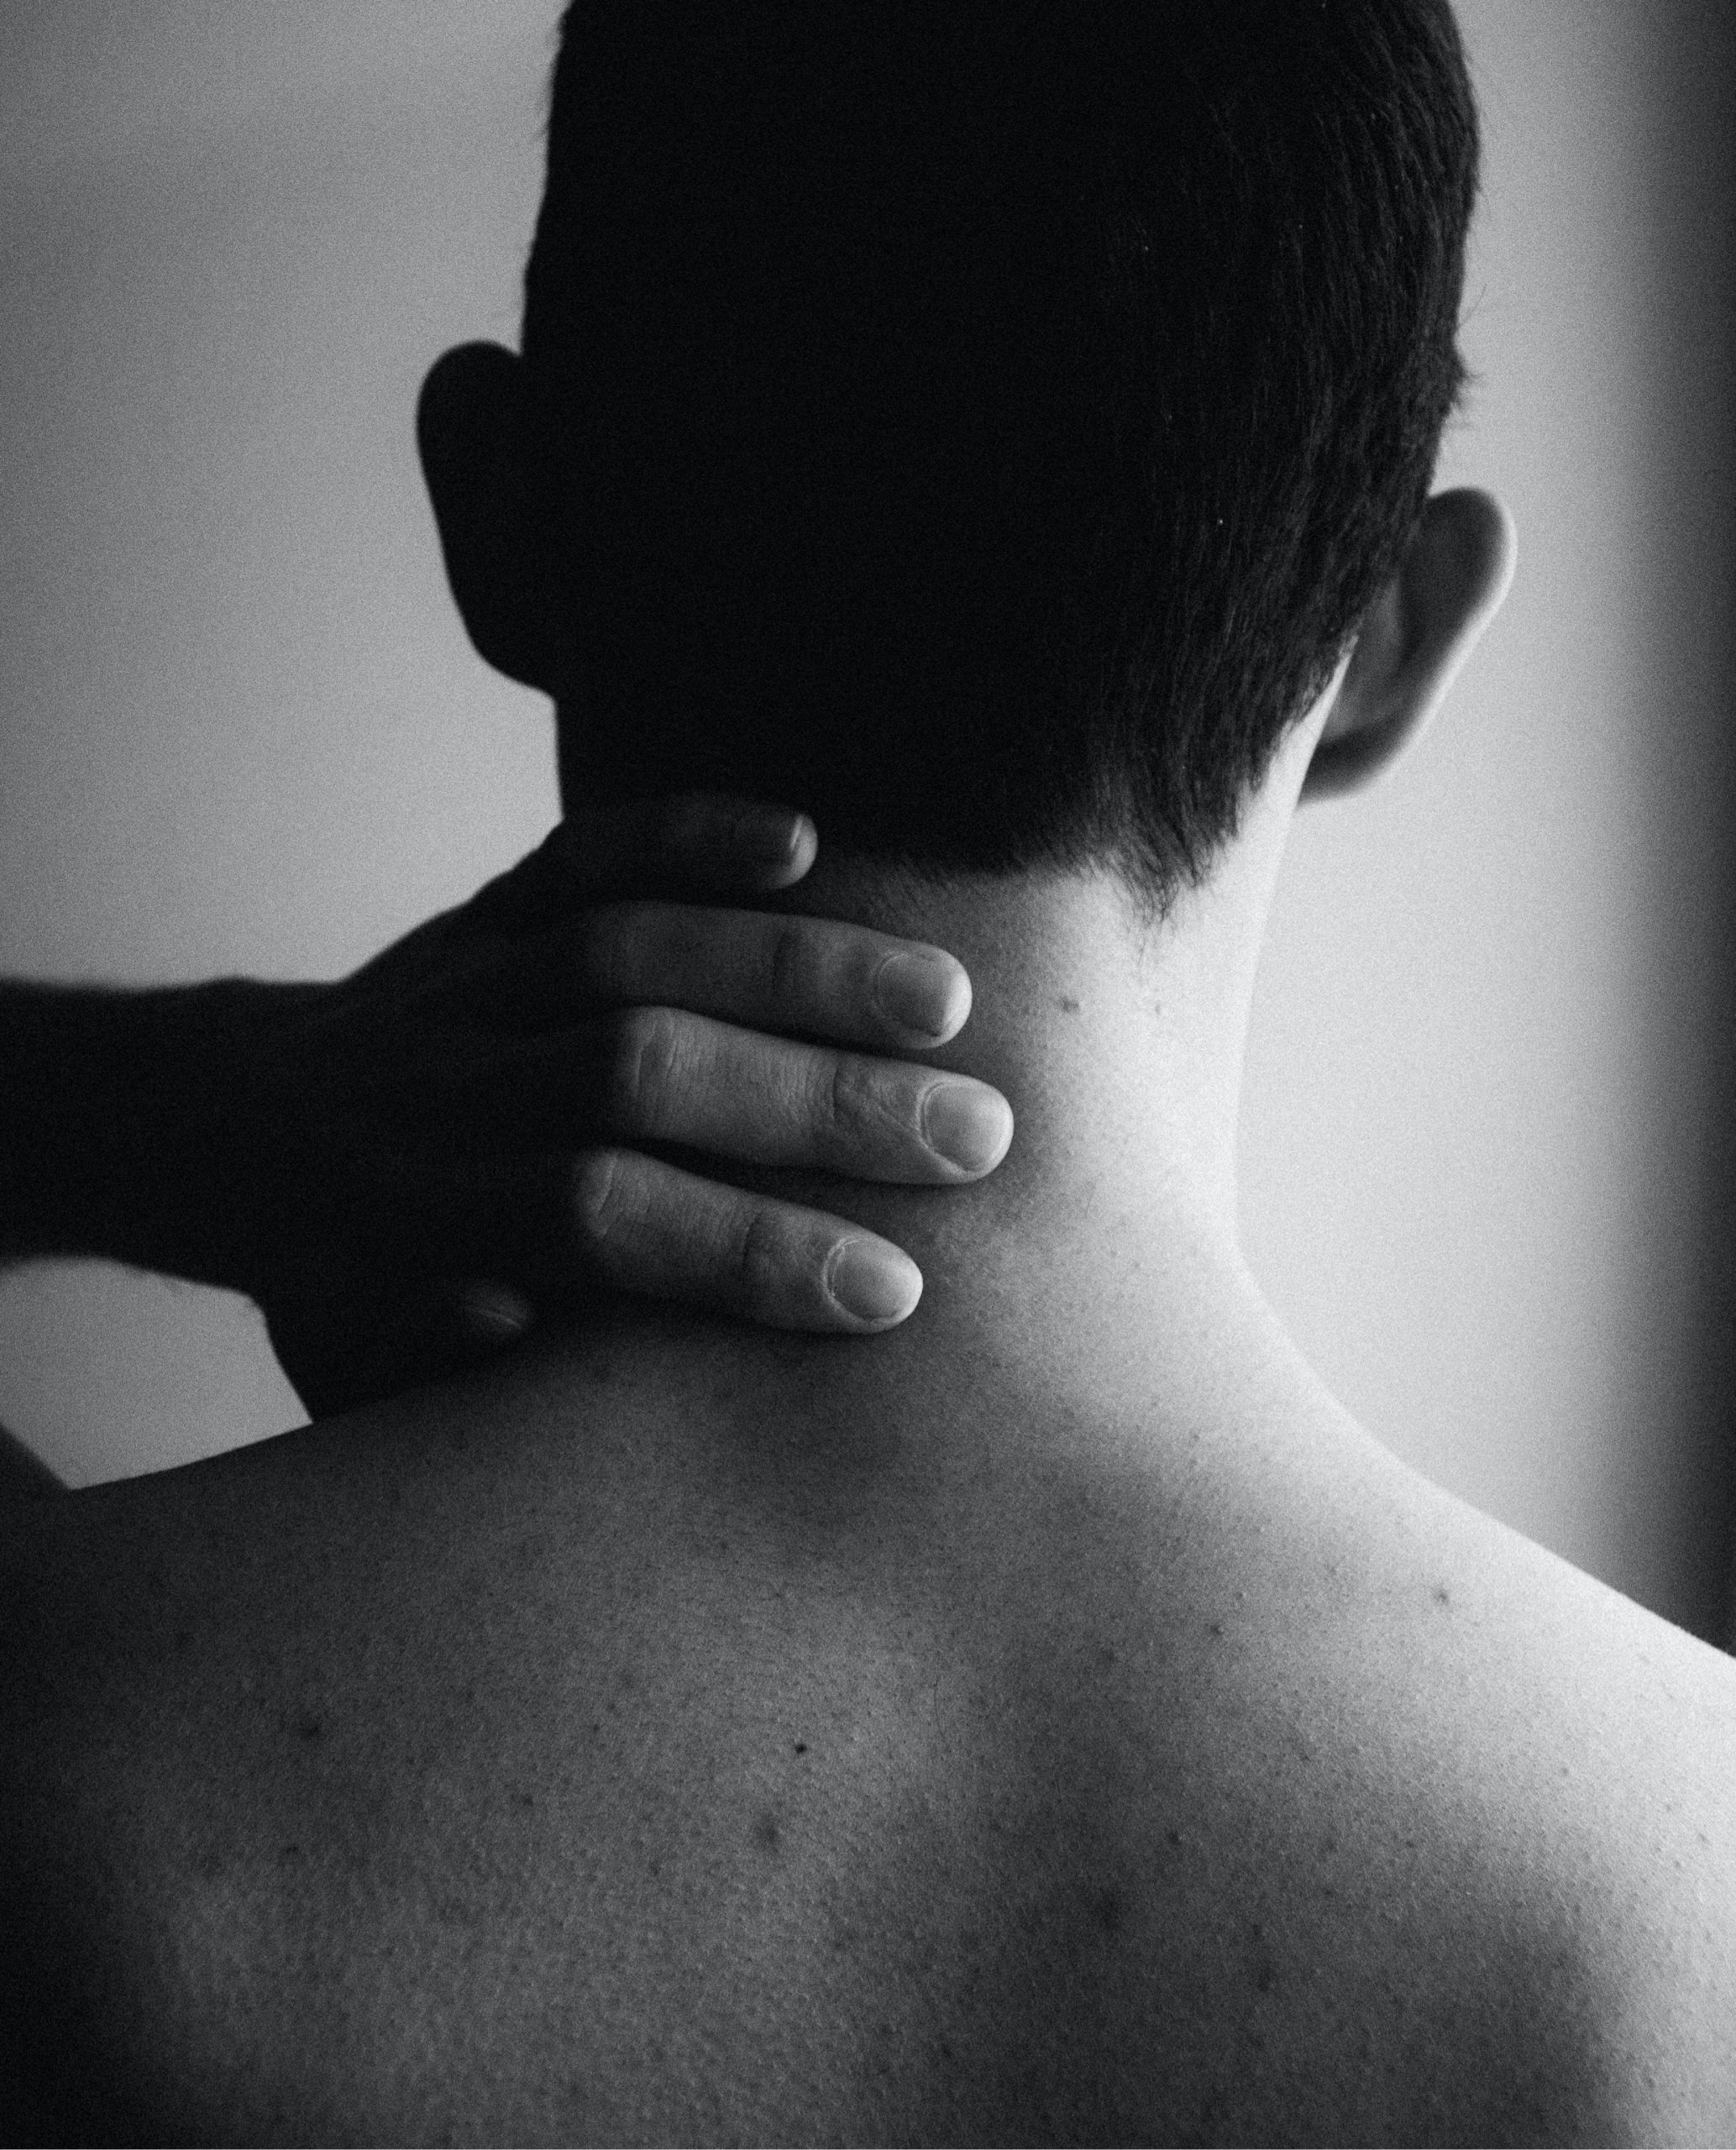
(641,1067)
(606,942)
(759,1263)
(787,965)
(596,1195)
(605,1211)
(685,823)
(594,950)
(852,1113)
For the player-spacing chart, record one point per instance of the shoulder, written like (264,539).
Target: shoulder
(155,1636)
(1397,1827)
(1636,1818)
(1557,1770)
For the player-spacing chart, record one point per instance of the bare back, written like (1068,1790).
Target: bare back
(670,1738)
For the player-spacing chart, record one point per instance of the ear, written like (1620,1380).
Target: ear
(1420,630)
(470,429)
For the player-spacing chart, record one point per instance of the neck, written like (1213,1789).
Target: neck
(1119,1050)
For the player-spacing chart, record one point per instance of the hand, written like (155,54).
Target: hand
(414,1163)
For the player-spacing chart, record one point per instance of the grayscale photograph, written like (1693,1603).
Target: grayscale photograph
(868,1071)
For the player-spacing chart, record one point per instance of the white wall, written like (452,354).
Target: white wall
(1477,1142)
(240,730)
(240,727)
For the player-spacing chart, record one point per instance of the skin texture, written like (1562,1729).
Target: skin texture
(1065,1727)
(1054,1720)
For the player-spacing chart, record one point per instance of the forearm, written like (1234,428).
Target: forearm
(24,1476)
(103,1093)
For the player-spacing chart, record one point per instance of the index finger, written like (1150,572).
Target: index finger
(794,976)
(692,843)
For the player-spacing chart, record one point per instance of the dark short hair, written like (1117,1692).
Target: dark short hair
(985,425)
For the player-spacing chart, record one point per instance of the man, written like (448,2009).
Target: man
(1052,1719)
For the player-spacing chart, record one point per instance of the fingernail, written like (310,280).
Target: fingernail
(872,1281)
(494,1313)
(766,834)
(917,992)
(967,1123)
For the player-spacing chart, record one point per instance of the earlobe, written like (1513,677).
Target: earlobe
(1417,635)
(469,434)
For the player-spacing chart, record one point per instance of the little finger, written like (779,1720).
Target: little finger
(650,1228)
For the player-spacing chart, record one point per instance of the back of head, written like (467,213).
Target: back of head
(984,426)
